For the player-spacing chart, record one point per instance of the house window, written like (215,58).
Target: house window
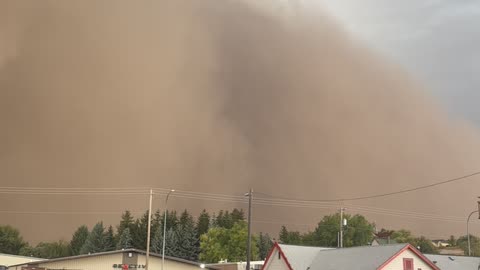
(407,264)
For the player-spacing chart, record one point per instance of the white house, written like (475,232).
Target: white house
(111,260)
(7,259)
(386,257)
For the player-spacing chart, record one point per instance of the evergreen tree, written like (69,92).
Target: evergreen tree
(186,237)
(203,223)
(78,239)
(264,244)
(95,241)
(109,239)
(127,221)
(139,233)
(237,215)
(125,240)
(171,243)
(157,241)
(287,237)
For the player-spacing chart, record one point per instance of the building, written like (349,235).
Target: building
(111,260)
(254,265)
(445,262)
(384,257)
(7,259)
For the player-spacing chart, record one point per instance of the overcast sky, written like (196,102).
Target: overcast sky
(437,40)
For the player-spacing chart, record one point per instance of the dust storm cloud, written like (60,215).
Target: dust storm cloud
(213,96)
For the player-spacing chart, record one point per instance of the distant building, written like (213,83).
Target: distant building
(112,260)
(439,243)
(7,259)
(446,262)
(386,257)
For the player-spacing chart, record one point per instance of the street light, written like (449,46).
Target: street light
(468,234)
(249,233)
(165,227)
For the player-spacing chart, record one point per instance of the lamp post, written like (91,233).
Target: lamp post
(165,227)
(249,233)
(148,228)
(468,234)
(342,209)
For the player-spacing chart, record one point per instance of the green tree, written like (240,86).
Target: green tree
(187,240)
(10,240)
(51,250)
(452,241)
(78,239)
(237,215)
(424,245)
(326,232)
(95,241)
(109,239)
(125,240)
(221,243)
(357,232)
(290,237)
(126,221)
(139,232)
(403,236)
(157,241)
(462,242)
(203,223)
(264,244)
(171,243)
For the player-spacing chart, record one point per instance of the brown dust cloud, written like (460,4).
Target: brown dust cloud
(217,97)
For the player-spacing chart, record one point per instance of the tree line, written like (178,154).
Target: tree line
(185,237)
(211,237)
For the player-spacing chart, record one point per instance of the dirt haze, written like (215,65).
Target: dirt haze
(215,96)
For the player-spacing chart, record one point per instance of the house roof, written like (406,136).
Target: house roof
(355,257)
(446,262)
(361,258)
(109,253)
(300,257)
(8,259)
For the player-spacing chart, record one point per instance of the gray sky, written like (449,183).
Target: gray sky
(436,40)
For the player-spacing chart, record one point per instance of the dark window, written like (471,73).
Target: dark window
(407,264)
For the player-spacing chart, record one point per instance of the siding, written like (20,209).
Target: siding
(156,264)
(104,262)
(274,263)
(397,263)
(6,259)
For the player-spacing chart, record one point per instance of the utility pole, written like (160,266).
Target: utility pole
(341,226)
(249,239)
(148,228)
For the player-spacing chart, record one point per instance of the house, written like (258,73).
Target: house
(445,262)
(290,257)
(386,257)
(439,243)
(7,259)
(110,260)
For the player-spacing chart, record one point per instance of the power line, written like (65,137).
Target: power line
(384,194)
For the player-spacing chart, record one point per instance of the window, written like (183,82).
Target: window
(407,264)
